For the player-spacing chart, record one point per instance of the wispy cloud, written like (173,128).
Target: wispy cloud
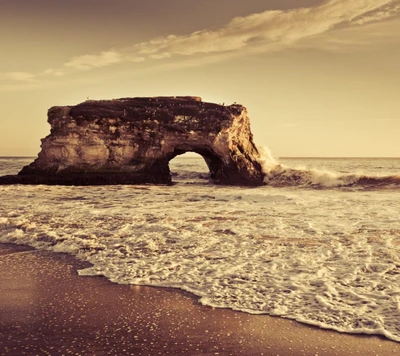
(384,13)
(54,72)
(89,61)
(270,30)
(20,76)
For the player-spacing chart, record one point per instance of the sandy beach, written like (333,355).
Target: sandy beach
(47,309)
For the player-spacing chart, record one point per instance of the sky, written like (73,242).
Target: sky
(319,78)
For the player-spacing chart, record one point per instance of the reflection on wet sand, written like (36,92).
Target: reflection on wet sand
(47,309)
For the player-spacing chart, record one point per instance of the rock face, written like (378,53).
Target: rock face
(131,141)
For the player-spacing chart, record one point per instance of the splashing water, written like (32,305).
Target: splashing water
(280,175)
(328,257)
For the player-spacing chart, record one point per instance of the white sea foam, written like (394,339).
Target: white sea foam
(281,175)
(324,257)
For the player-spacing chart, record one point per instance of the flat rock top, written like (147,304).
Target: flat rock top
(145,108)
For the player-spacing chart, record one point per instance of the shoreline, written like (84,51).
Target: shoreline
(47,309)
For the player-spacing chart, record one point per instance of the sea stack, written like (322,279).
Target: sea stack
(132,140)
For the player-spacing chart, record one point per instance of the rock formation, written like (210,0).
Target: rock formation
(131,141)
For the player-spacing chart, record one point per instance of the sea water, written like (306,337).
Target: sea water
(320,243)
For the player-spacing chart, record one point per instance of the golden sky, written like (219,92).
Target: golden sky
(319,78)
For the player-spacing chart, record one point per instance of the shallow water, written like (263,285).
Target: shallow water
(327,257)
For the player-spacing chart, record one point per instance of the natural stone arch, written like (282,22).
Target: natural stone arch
(132,140)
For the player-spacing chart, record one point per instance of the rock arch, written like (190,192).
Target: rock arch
(132,140)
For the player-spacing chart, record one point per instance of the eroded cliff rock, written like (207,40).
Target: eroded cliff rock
(131,140)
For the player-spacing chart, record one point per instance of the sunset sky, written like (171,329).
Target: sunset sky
(319,78)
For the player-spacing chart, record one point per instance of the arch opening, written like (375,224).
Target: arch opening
(190,154)
(189,167)
(193,165)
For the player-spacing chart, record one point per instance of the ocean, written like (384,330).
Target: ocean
(320,243)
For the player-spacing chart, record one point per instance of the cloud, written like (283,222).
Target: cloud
(386,12)
(368,34)
(272,29)
(267,31)
(20,76)
(89,61)
(54,72)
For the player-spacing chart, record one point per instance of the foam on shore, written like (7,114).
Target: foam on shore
(327,258)
(45,306)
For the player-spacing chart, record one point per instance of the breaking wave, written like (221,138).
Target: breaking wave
(325,257)
(280,175)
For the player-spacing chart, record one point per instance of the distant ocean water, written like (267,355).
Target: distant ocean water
(319,244)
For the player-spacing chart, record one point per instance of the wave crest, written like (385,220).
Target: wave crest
(281,175)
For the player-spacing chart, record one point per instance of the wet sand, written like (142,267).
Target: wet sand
(47,309)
